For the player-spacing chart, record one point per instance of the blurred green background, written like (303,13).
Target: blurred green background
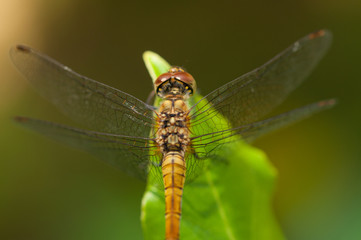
(49,191)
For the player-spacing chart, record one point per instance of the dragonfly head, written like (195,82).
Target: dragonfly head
(175,82)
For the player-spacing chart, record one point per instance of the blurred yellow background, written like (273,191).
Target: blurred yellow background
(49,191)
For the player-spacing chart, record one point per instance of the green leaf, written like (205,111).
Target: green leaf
(232,199)
(155,64)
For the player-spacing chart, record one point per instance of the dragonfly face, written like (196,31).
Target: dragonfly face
(132,136)
(175,82)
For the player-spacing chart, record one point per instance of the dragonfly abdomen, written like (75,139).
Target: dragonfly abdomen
(174,170)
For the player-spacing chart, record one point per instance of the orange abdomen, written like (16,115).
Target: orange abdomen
(173,169)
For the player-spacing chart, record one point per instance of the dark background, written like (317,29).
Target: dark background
(49,191)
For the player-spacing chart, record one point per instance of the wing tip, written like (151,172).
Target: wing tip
(21,119)
(22,48)
(18,50)
(319,33)
(327,103)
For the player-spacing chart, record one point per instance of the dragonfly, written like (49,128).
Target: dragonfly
(170,141)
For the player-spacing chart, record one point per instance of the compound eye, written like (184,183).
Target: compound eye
(162,78)
(184,77)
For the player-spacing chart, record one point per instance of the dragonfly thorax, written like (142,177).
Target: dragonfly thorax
(176,82)
(173,133)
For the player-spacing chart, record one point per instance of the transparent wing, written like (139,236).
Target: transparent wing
(208,144)
(93,104)
(195,166)
(136,156)
(253,95)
